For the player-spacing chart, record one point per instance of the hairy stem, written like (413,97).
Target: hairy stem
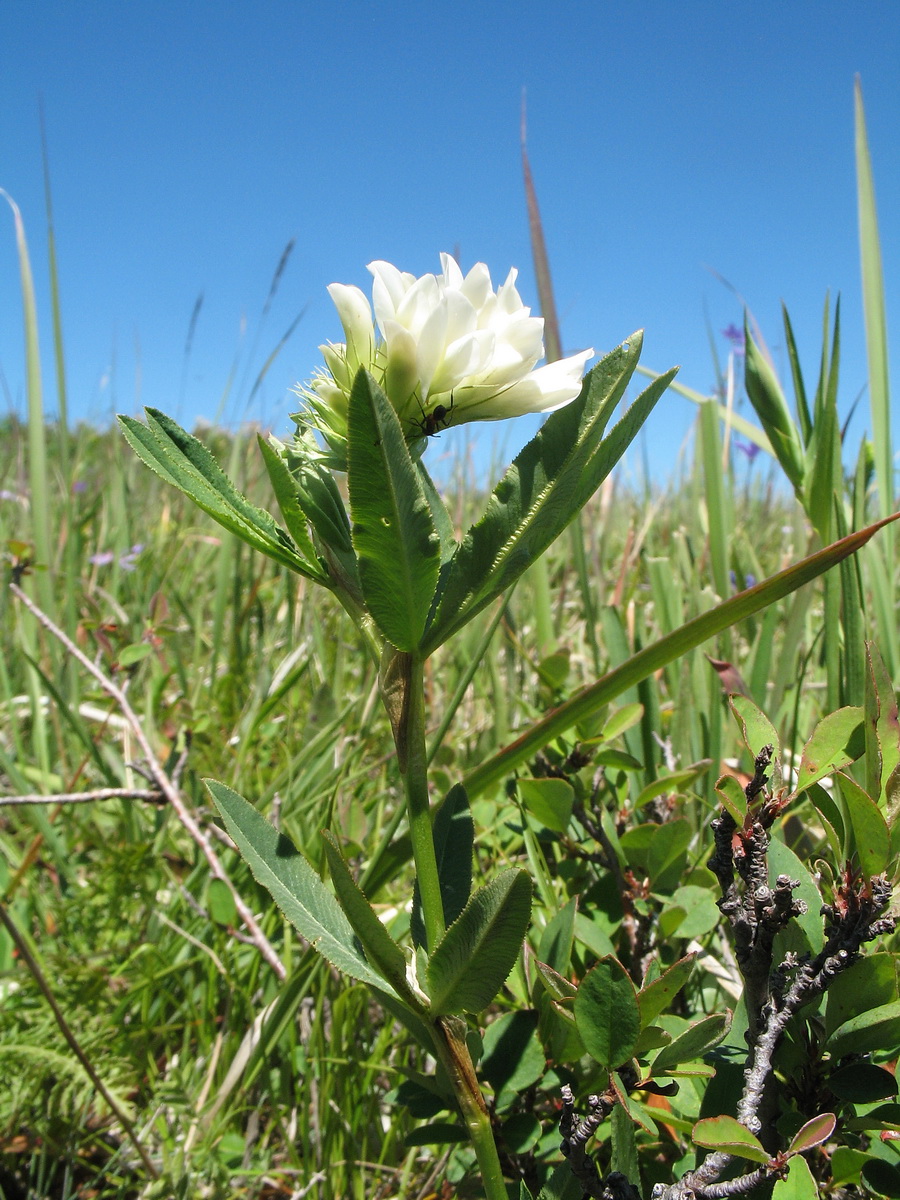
(420,827)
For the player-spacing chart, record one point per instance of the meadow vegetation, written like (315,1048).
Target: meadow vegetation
(125,961)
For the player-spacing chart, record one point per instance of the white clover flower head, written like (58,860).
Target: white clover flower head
(445,348)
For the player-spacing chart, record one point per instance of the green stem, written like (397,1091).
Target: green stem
(448,1033)
(417,806)
(450,1046)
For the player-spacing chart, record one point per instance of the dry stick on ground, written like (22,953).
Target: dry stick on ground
(84,797)
(163,783)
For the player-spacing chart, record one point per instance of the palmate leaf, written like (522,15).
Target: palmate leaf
(543,489)
(292,883)
(394,534)
(180,459)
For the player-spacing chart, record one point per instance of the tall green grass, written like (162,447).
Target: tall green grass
(240,1085)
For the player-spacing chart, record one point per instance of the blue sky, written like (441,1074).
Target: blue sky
(189,143)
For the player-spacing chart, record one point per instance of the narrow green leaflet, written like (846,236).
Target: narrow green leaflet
(547,483)
(292,883)
(454,840)
(660,653)
(394,535)
(838,739)
(726,1134)
(381,949)
(607,1014)
(693,1043)
(476,954)
(180,459)
(285,489)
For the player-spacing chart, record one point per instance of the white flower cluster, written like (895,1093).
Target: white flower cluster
(445,348)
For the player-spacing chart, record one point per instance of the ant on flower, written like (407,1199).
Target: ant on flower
(431,423)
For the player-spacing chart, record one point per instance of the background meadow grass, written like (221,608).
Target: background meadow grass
(263,682)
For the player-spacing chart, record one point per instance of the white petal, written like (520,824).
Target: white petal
(356,318)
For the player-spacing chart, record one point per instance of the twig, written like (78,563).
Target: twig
(151,795)
(161,779)
(38,976)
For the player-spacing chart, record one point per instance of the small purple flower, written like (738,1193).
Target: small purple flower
(126,561)
(749,448)
(736,337)
(78,486)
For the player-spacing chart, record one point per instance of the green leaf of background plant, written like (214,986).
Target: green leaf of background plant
(869,983)
(473,959)
(726,1134)
(607,1014)
(696,1041)
(871,837)
(882,726)
(381,949)
(558,937)
(658,995)
(876,1029)
(659,654)
(756,728)
(732,797)
(550,801)
(838,739)
(292,883)
(548,482)
(798,1184)
(816,1131)
(394,536)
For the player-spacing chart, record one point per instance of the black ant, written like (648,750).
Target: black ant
(431,423)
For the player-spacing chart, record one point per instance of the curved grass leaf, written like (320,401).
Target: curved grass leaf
(292,883)
(180,459)
(772,409)
(660,653)
(543,489)
(607,1014)
(394,535)
(476,954)
(381,949)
